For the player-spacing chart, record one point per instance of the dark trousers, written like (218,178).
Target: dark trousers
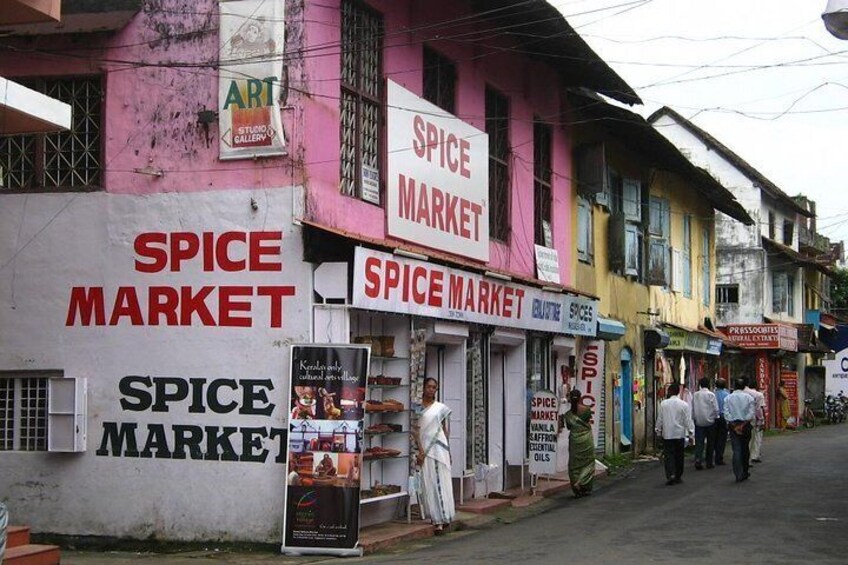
(704,434)
(741,451)
(673,454)
(720,439)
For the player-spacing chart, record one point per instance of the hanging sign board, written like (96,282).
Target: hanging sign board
(326,399)
(437,186)
(252,36)
(542,441)
(836,374)
(590,379)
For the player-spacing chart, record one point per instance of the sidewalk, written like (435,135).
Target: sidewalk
(475,514)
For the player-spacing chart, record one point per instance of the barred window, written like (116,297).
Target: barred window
(439,80)
(542,182)
(67,160)
(497,126)
(23,414)
(727,294)
(361,78)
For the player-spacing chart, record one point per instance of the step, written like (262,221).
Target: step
(483,505)
(381,536)
(17,535)
(32,554)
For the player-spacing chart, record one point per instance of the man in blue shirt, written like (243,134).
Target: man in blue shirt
(721,394)
(739,413)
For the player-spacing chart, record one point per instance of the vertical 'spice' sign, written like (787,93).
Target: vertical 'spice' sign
(437,186)
(251,71)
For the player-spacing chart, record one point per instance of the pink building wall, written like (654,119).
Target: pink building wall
(160,72)
(527,84)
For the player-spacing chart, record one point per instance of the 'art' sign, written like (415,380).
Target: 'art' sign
(438,177)
(252,36)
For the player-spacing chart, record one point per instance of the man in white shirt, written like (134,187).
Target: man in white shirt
(674,424)
(759,419)
(739,413)
(704,413)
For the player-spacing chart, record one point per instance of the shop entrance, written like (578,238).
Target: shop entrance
(626,399)
(445,362)
(506,410)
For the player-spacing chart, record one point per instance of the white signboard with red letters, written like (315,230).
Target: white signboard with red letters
(437,186)
(590,379)
(388,283)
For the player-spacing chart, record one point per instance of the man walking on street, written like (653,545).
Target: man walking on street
(704,412)
(721,395)
(674,424)
(759,419)
(739,413)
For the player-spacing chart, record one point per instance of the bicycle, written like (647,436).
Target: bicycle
(808,417)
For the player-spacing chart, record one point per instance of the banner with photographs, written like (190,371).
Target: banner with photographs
(252,42)
(327,404)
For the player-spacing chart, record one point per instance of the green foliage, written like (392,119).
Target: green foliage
(839,289)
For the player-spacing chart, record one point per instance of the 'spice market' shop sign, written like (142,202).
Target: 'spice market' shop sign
(438,177)
(250,75)
(388,283)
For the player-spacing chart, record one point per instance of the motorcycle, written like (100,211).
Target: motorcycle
(834,409)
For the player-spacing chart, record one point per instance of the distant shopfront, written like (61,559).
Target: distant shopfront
(766,352)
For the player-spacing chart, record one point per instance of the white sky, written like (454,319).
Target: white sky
(790,122)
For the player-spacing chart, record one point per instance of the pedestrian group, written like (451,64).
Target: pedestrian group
(706,418)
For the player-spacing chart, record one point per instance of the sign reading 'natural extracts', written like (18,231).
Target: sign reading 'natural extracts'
(438,177)
(251,71)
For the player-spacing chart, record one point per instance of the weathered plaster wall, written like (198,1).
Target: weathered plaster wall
(525,83)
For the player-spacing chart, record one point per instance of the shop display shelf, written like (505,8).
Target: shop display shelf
(383,497)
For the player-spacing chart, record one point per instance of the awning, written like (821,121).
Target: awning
(26,111)
(81,16)
(609,329)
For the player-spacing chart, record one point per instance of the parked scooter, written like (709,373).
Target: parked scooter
(834,409)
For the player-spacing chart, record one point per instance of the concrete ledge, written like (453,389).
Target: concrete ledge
(381,536)
(484,505)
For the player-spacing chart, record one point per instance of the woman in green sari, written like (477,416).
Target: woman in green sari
(581,446)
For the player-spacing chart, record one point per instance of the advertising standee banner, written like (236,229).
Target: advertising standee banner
(542,442)
(252,36)
(326,399)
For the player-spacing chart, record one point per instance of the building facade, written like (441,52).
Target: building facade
(646,246)
(770,278)
(247,175)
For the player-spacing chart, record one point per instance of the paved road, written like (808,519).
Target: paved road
(793,510)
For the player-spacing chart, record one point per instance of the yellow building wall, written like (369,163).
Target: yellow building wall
(672,306)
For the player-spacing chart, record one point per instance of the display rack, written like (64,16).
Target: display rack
(387,416)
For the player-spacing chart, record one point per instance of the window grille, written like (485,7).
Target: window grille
(67,160)
(23,414)
(361,78)
(497,127)
(727,294)
(439,80)
(542,182)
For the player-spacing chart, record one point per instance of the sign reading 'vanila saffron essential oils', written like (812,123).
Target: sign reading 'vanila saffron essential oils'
(250,74)
(438,177)
(327,403)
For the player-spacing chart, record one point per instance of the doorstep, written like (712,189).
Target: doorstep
(483,505)
(381,536)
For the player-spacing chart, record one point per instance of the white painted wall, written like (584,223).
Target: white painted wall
(50,243)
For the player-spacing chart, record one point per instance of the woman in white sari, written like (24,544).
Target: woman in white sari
(434,458)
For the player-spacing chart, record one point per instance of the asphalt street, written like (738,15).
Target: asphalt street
(794,509)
